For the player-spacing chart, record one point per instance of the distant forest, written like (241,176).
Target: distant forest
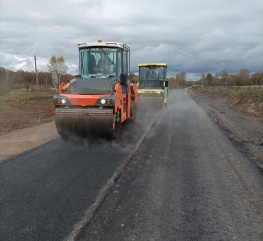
(222,78)
(25,79)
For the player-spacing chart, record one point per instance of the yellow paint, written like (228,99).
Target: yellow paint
(150,91)
(152,64)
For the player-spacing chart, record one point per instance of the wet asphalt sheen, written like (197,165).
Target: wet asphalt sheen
(185,182)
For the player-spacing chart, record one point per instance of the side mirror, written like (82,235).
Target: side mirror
(54,77)
(123,78)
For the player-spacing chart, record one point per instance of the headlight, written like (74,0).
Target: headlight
(106,101)
(60,100)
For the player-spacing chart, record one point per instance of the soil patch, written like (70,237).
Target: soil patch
(27,114)
(26,125)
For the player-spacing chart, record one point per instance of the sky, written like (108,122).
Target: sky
(195,36)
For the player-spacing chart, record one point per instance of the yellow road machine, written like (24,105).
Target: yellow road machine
(153,82)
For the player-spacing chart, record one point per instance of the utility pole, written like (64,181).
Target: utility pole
(36,73)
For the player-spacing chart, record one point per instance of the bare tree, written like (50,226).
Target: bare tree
(180,79)
(203,78)
(58,65)
(244,75)
(223,75)
(257,78)
(209,77)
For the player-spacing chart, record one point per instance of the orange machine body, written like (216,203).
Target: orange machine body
(101,97)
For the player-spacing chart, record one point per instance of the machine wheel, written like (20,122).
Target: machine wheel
(117,130)
(164,106)
(64,136)
(133,112)
(62,131)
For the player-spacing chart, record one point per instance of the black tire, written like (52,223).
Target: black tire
(117,130)
(133,112)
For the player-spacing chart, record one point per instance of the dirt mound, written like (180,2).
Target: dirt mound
(246,104)
(241,121)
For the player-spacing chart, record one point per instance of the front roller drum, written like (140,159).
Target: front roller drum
(78,125)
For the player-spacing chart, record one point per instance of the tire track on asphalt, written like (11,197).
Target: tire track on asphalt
(106,188)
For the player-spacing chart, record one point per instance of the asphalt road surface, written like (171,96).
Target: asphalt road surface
(185,181)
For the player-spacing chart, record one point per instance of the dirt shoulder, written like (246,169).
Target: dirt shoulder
(22,140)
(24,126)
(242,125)
(21,115)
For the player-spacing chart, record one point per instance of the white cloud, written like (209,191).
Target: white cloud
(195,36)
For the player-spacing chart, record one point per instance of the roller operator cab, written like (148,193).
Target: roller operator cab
(101,97)
(153,82)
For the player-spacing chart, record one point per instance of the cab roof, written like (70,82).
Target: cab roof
(102,44)
(152,64)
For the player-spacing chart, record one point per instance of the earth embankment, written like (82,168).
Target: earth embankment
(240,119)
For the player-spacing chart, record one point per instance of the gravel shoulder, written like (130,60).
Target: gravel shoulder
(243,129)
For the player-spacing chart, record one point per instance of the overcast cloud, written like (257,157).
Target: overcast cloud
(192,36)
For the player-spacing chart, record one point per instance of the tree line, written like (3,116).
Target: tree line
(9,79)
(243,78)
(222,78)
(28,79)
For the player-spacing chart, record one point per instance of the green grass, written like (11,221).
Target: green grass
(23,95)
(16,96)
